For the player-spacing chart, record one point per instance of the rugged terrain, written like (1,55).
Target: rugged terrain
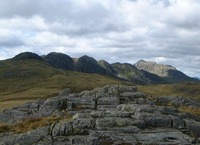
(142,72)
(23,80)
(28,76)
(111,115)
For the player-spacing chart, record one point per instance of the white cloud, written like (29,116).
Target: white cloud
(166,31)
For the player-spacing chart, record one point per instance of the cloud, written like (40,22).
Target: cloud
(165,31)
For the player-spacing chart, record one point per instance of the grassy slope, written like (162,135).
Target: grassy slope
(187,90)
(22,81)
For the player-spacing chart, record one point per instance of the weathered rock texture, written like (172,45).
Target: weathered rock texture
(112,115)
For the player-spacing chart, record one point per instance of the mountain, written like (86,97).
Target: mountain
(60,61)
(130,73)
(168,72)
(154,79)
(28,76)
(27,55)
(142,72)
(197,78)
(89,65)
(37,68)
(152,67)
(27,79)
(107,66)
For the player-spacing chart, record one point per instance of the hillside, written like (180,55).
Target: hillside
(130,73)
(142,72)
(60,61)
(28,79)
(186,90)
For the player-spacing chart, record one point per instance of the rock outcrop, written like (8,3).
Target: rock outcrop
(112,115)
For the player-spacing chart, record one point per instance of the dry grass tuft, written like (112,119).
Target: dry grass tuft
(193,111)
(32,123)
(186,90)
(4,127)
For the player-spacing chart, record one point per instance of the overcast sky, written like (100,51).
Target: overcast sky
(164,31)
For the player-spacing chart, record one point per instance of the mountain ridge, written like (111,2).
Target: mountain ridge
(142,72)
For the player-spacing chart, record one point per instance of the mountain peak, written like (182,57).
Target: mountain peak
(59,60)
(89,65)
(166,71)
(27,55)
(107,66)
(145,62)
(153,67)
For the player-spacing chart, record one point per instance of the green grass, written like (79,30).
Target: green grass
(27,80)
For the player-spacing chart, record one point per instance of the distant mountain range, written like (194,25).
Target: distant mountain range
(142,72)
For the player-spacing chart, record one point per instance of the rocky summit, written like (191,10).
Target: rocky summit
(170,73)
(111,115)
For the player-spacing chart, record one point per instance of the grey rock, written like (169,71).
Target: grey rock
(127,107)
(116,113)
(14,114)
(142,101)
(83,140)
(140,124)
(103,123)
(108,101)
(158,121)
(130,139)
(167,110)
(64,92)
(178,101)
(193,128)
(127,88)
(163,136)
(177,122)
(84,123)
(100,118)
(127,129)
(28,138)
(5,117)
(62,129)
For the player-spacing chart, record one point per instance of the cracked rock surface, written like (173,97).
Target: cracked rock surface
(111,115)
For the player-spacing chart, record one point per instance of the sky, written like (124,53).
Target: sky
(162,31)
